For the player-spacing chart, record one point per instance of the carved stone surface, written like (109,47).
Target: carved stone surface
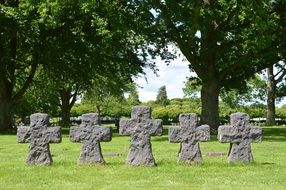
(189,135)
(90,134)
(39,135)
(240,135)
(141,127)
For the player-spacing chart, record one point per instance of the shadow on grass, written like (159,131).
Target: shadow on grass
(267,163)
(274,134)
(8,132)
(160,139)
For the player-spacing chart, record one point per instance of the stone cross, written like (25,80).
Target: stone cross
(189,135)
(39,135)
(141,127)
(240,136)
(90,134)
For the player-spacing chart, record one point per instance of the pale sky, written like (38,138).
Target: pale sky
(172,76)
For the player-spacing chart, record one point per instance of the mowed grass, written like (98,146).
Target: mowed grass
(267,172)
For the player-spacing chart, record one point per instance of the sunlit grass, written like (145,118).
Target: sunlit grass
(268,171)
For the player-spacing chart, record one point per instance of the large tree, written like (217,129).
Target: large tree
(78,43)
(275,85)
(276,74)
(253,92)
(225,42)
(19,57)
(91,47)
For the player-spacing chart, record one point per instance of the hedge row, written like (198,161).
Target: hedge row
(171,112)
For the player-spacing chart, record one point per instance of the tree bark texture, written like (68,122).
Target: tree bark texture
(5,105)
(68,99)
(65,107)
(210,101)
(271,96)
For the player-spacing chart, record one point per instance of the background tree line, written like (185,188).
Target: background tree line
(116,106)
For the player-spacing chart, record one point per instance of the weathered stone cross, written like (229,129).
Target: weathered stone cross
(240,135)
(189,136)
(140,127)
(90,134)
(39,135)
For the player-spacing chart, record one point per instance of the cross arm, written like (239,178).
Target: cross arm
(76,134)
(54,134)
(126,126)
(226,134)
(105,133)
(24,134)
(156,127)
(255,134)
(203,133)
(175,134)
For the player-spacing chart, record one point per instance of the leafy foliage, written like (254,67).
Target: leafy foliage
(162,98)
(225,42)
(281,112)
(19,56)
(253,91)
(133,97)
(79,44)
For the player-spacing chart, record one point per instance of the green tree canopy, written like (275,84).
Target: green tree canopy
(133,96)
(162,98)
(19,55)
(94,49)
(225,42)
(78,43)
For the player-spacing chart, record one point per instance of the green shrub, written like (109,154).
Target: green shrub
(79,109)
(256,110)
(173,112)
(281,112)
(161,113)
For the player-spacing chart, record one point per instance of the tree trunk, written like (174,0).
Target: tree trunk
(271,94)
(65,108)
(210,101)
(66,116)
(5,116)
(5,106)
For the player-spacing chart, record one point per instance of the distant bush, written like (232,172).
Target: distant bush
(281,112)
(177,106)
(173,112)
(176,101)
(161,113)
(256,110)
(151,104)
(79,109)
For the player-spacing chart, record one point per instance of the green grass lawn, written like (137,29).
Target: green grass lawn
(268,171)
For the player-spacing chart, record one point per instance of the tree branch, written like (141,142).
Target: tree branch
(177,36)
(74,95)
(280,78)
(27,83)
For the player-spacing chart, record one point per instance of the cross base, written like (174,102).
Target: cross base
(240,152)
(91,154)
(140,153)
(39,155)
(190,153)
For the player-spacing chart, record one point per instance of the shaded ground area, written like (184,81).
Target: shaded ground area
(274,134)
